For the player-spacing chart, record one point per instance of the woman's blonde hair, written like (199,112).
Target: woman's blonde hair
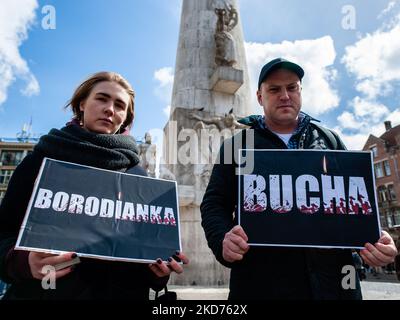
(83,91)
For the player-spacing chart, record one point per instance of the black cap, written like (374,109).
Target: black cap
(279,63)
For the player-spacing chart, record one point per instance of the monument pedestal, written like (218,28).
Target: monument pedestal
(203,269)
(227,80)
(205,101)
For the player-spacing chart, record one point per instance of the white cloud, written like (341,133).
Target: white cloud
(356,140)
(352,141)
(366,115)
(165,76)
(315,56)
(364,127)
(394,117)
(374,60)
(32,87)
(16,17)
(165,79)
(388,8)
(373,111)
(347,120)
(375,63)
(167,110)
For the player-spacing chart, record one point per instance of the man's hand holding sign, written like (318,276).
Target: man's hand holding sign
(382,253)
(235,244)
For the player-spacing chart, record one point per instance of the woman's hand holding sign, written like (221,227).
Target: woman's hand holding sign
(380,254)
(162,269)
(234,245)
(38,260)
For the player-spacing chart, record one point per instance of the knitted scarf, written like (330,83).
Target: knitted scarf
(74,144)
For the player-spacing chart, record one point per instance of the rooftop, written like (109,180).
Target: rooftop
(19,140)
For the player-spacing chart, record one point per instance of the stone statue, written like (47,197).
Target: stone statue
(205,175)
(147,155)
(166,174)
(222,124)
(225,54)
(228,121)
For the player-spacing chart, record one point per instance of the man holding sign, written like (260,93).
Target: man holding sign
(275,271)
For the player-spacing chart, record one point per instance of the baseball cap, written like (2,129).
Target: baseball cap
(279,63)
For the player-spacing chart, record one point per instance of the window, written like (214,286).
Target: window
(5,176)
(396,217)
(386,164)
(378,170)
(382,194)
(374,151)
(392,192)
(11,158)
(383,221)
(389,220)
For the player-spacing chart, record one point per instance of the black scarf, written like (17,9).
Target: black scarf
(74,144)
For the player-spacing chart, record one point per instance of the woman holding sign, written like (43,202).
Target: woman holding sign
(103,108)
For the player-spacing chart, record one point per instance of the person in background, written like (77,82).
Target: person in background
(397,261)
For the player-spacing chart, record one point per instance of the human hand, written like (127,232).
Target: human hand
(162,269)
(37,260)
(234,245)
(380,254)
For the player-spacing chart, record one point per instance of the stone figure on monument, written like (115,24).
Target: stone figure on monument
(225,54)
(216,126)
(228,121)
(147,154)
(165,173)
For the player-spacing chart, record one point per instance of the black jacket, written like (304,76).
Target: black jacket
(271,272)
(92,278)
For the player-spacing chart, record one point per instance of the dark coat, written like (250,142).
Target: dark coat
(271,272)
(92,278)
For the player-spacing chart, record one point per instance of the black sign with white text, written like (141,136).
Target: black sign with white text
(101,214)
(309,198)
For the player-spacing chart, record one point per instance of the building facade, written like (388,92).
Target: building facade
(386,157)
(12,152)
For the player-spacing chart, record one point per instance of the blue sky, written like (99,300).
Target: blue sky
(352,74)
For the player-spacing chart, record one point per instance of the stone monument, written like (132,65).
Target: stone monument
(225,53)
(211,90)
(147,155)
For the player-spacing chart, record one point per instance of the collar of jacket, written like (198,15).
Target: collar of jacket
(257,121)
(73,144)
